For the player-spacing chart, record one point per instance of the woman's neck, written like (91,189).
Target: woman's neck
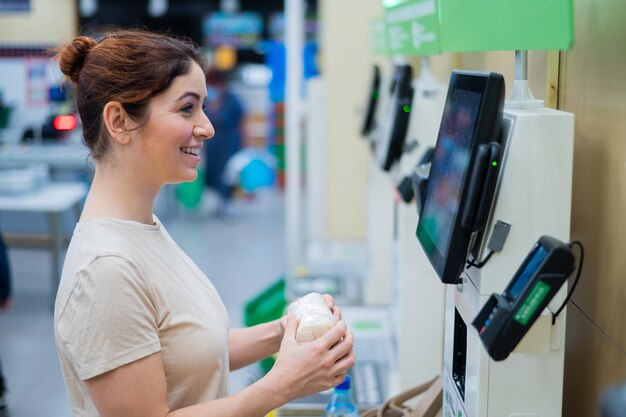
(119,196)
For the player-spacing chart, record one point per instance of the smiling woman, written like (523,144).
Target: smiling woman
(164,147)
(140,330)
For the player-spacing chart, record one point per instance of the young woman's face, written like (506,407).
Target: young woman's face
(169,145)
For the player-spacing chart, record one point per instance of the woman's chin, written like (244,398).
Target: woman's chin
(185,177)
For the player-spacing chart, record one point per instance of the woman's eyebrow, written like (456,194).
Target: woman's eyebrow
(190,93)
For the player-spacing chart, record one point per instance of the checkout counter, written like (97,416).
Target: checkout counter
(27,191)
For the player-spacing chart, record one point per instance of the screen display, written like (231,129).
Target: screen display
(396,115)
(371,103)
(449,167)
(518,285)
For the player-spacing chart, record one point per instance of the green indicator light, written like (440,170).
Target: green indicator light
(375,94)
(494,163)
(406,108)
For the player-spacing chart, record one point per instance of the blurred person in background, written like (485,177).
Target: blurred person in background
(5,302)
(225,112)
(140,330)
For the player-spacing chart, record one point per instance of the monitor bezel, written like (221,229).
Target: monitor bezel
(391,143)
(369,123)
(450,262)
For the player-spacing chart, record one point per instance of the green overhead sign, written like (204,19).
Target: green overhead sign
(429,27)
(392,3)
(378,37)
(413,28)
(495,25)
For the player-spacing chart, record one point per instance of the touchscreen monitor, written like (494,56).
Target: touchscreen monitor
(395,122)
(372,103)
(472,116)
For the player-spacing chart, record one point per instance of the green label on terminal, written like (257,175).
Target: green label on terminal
(532,302)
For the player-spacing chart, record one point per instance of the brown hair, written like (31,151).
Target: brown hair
(128,66)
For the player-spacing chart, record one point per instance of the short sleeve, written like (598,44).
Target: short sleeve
(110,318)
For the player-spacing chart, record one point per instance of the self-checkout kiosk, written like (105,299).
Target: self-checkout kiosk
(496,213)
(428,102)
(418,294)
(379,213)
(402,128)
(391,141)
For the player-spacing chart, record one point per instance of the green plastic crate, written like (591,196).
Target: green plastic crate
(267,306)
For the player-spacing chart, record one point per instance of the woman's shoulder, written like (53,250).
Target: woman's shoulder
(116,233)
(100,238)
(100,260)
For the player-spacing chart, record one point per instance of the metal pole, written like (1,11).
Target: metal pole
(521,65)
(294,41)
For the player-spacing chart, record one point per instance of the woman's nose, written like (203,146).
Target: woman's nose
(204,129)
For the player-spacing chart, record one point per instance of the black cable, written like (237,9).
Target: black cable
(571,291)
(481,263)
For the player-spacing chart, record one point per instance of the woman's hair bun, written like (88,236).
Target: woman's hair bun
(72,56)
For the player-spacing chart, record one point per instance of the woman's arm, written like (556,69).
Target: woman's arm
(251,344)
(139,389)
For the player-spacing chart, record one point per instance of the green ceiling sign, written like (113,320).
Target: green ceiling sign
(378,37)
(492,25)
(413,28)
(392,3)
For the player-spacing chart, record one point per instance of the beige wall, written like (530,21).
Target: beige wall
(593,87)
(48,23)
(346,67)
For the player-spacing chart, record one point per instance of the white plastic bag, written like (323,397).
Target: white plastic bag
(313,315)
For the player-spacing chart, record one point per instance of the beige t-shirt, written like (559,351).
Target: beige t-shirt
(128,291)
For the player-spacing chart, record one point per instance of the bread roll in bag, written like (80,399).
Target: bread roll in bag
(314,317)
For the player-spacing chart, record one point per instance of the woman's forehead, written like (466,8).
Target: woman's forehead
(192,82)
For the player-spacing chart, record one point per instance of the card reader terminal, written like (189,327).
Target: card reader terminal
(505,318)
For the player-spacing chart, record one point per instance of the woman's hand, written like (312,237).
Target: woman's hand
(254,343)
(303,369)
(333,308)
(281,323)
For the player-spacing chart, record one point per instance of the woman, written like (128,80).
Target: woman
(140,330)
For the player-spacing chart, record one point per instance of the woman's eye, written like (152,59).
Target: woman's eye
(187,109)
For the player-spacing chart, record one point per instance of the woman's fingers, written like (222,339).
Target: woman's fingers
(291,327)
(343,364)
(330,301)
(337,313)
(344,346)
(333,336)
(338,379)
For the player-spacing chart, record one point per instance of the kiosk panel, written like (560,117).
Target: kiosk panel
(471,120)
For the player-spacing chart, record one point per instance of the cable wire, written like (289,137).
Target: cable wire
(471,263)
(578,273)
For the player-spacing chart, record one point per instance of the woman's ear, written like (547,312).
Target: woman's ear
(117,122)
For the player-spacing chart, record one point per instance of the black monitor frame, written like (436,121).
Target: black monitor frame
(389,147)
(372,103)
(449,261)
